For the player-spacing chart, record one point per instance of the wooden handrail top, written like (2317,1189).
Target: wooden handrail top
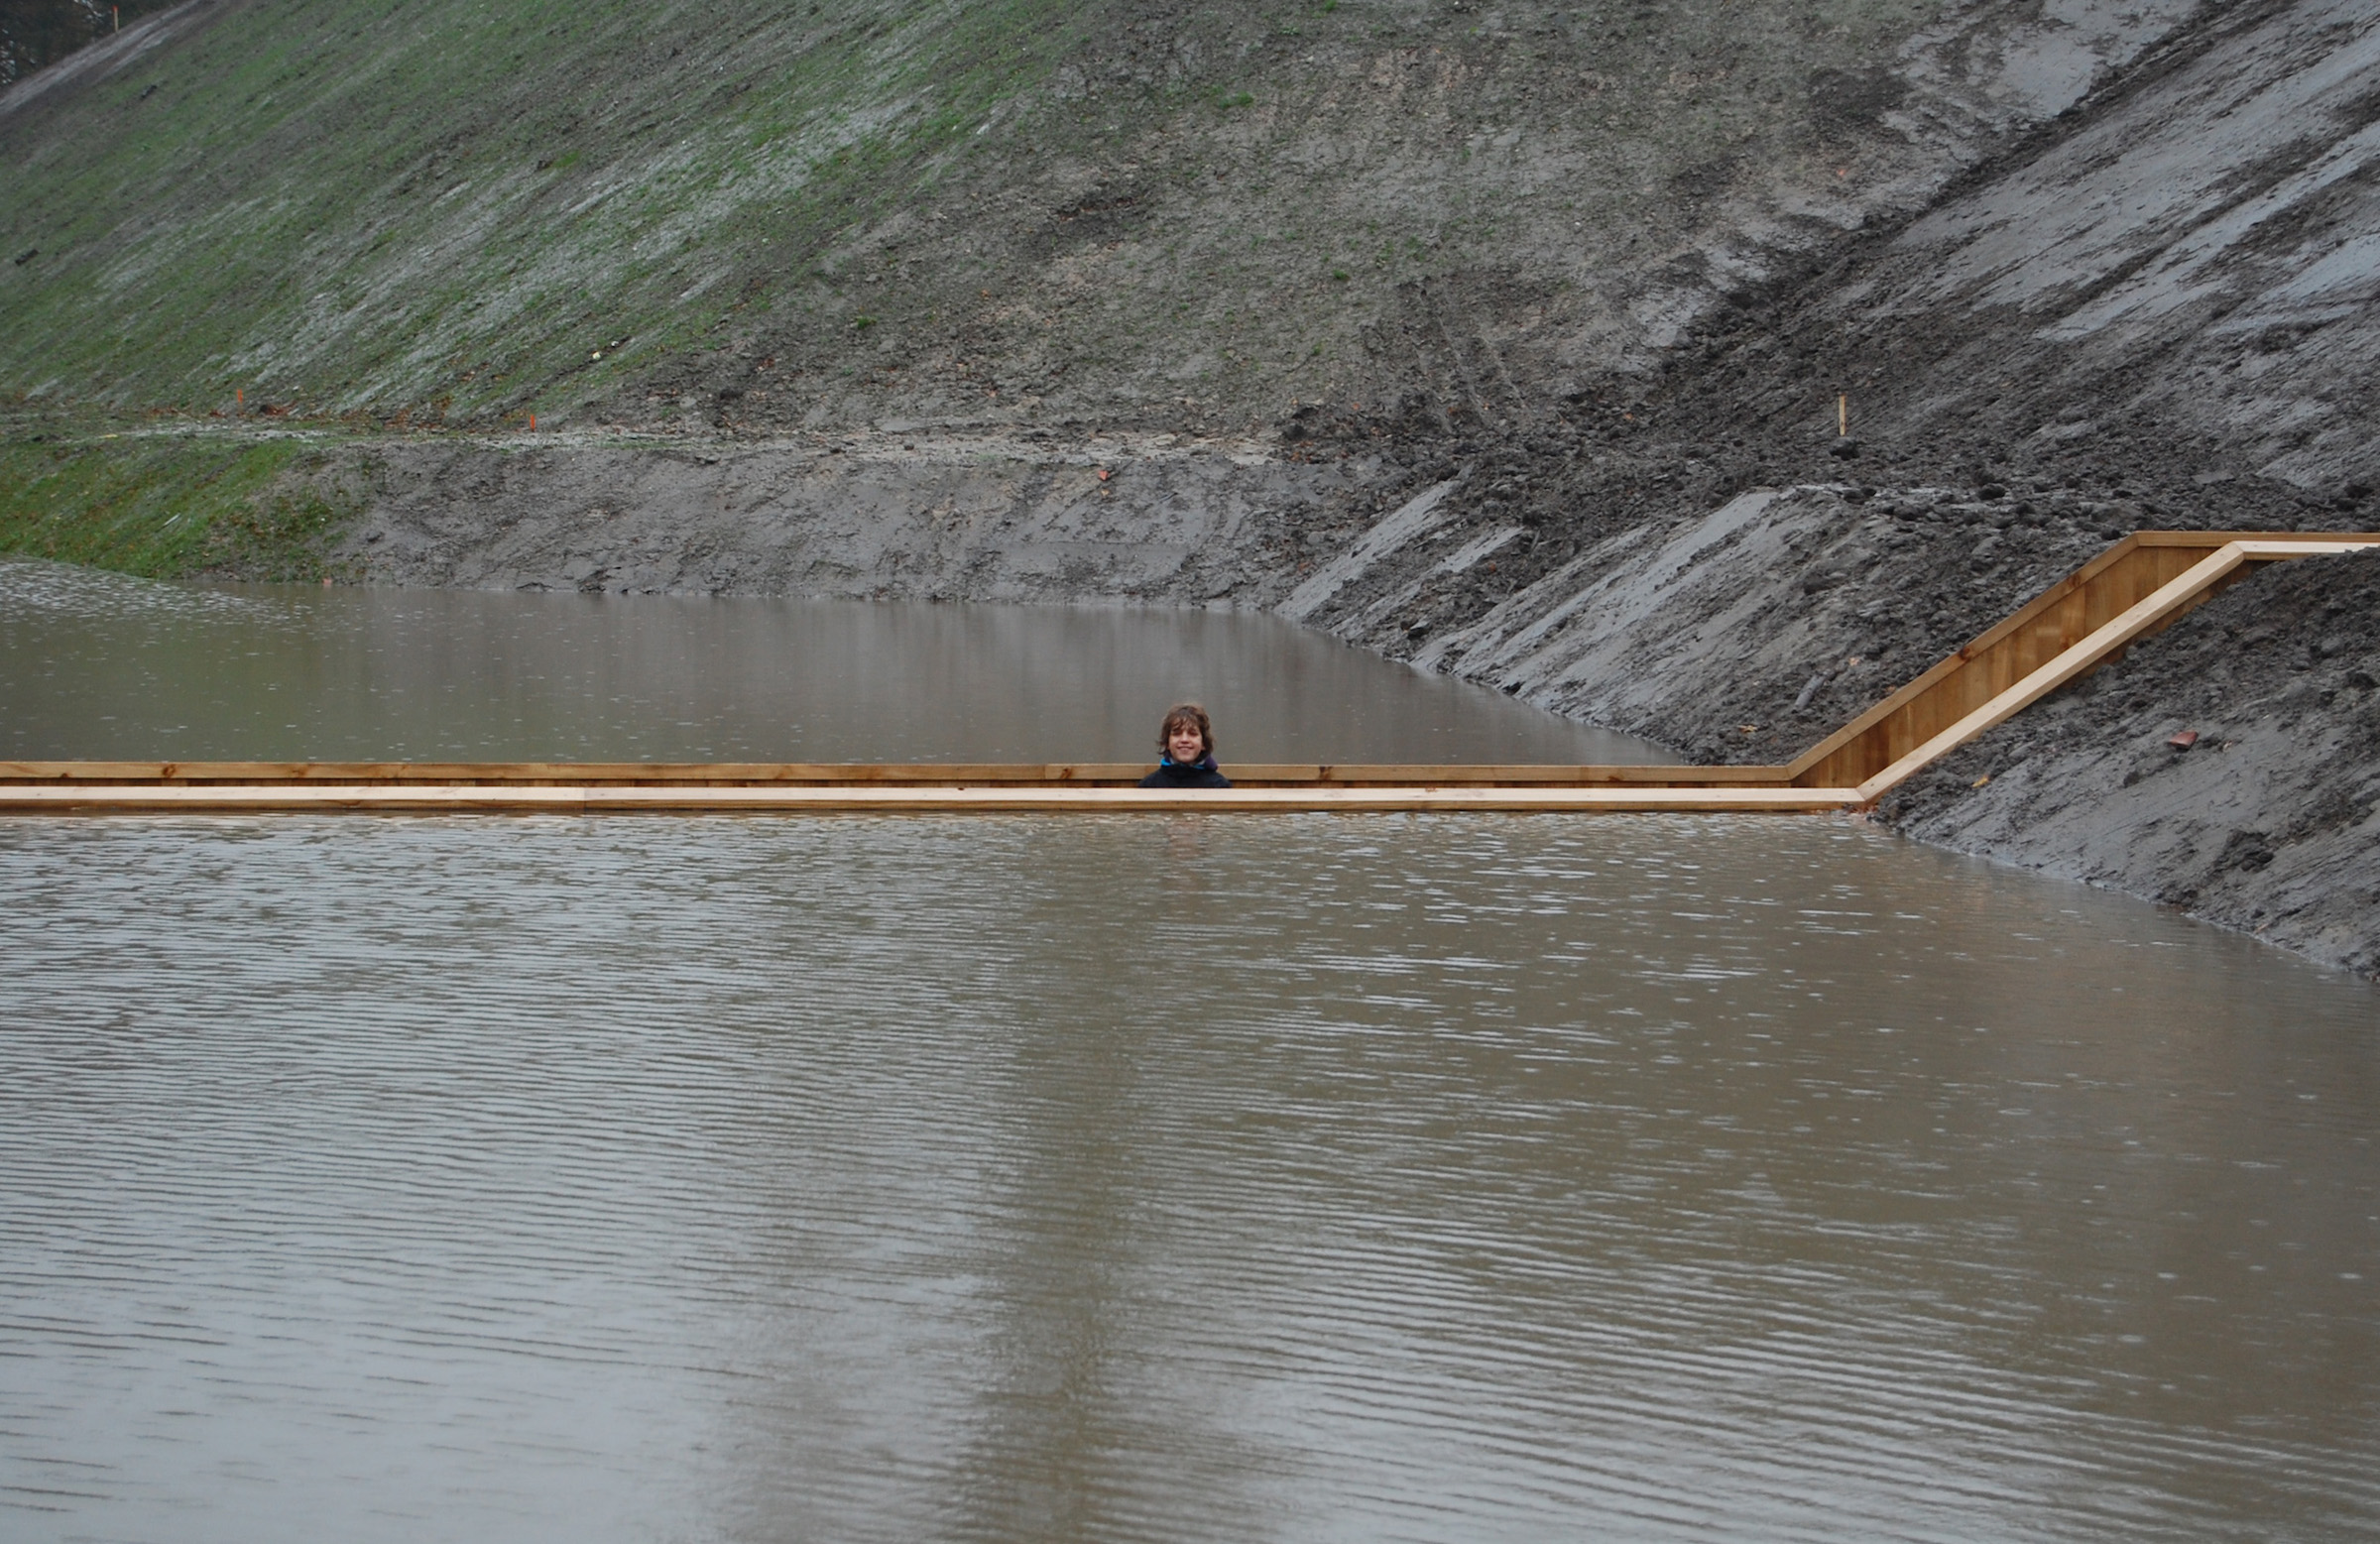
(839,774)
(884,798)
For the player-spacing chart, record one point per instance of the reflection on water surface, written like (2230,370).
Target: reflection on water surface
(1100,1178)
(97,665)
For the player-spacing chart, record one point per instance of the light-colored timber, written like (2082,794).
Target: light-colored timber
(789,798)
(2078,607)
(2139,586)
(2152,612)
(1075,774)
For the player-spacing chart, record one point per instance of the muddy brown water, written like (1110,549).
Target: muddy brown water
(102,666)
(1101,1177)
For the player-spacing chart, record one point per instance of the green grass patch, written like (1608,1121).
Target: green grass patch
(517,148)
(165,505)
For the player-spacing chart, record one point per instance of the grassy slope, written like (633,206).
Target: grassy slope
(447,208)
(444,204)
(167,503)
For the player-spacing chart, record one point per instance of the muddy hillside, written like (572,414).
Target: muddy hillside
(844,216)
(1703,369)
(37,33)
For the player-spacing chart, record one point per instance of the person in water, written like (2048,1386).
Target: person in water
(1186,752)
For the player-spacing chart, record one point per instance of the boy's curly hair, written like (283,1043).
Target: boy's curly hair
(1191,714)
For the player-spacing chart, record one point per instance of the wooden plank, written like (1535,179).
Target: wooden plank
(2186,588)
(2267,549)
(1519,774)
(840,774)
(566,771)
(299,799)
(1816,763)
(1996,660)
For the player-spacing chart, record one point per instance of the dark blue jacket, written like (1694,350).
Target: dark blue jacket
(1200,774)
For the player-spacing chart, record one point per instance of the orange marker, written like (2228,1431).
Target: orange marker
(532,423)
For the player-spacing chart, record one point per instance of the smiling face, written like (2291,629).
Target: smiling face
(1186,737)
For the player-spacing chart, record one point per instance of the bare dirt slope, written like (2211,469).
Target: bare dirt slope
(2158,312)
(1159,214)
(932,514)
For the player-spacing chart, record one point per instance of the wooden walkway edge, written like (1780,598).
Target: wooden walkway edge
(2138,586)
(684,798)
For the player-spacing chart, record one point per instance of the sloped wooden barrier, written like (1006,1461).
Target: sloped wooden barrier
(2136,588)
(2078,623)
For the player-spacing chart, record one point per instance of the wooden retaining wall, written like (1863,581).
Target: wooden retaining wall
(915,799)
(2062,617)
(909,775)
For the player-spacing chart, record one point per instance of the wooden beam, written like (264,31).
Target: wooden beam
(2037,633)
(453,798)
(836,774)
(2177,593)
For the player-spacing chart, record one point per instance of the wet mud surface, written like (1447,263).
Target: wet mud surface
(1157,518)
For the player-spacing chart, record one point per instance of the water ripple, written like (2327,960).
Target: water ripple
(1387,1177)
